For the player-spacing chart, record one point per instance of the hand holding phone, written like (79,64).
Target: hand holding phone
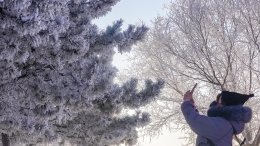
(188,94)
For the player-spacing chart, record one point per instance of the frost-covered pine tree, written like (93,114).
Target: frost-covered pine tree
(56,76)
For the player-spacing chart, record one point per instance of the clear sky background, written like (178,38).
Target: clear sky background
(132,12)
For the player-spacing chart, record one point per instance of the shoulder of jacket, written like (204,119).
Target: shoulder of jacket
(222,124)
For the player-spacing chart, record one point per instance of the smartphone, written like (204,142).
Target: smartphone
(194,87)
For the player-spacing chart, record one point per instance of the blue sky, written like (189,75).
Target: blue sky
(133,11)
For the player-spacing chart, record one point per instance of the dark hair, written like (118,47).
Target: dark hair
(222,102)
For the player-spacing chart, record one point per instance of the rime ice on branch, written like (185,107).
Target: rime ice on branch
(56,76)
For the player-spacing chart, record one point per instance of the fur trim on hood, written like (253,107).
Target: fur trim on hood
(231,113)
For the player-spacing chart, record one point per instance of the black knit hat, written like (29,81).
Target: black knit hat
(233,98)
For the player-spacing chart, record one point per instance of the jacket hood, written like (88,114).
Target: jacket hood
(237,115)
(231,113)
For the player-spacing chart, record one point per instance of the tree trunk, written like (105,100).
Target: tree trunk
(5,139)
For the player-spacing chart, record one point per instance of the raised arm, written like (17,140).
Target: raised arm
(202,125)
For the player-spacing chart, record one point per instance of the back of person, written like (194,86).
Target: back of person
(220,137)
(219,126)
